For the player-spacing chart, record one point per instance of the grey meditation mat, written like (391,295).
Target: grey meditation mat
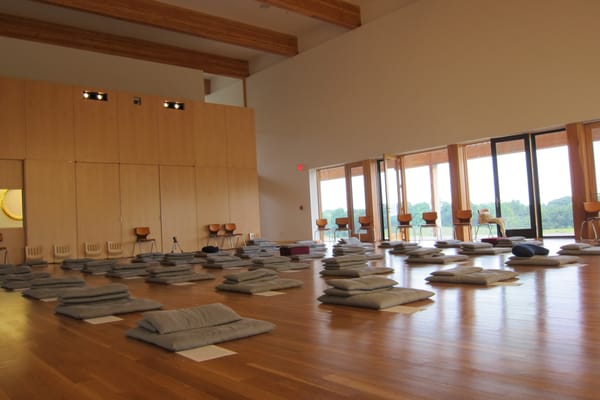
(48,288)
(484,251)
(449,243)
(22,281)
(379,299)
(545,261)
(251,287)
(99,301)
(186,277)
(437,258)
(356,272)
(471,275)
(183,329)
(579,249)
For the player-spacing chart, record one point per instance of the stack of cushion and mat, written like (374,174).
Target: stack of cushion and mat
(148,257)
(481,248)
(257,248)
(130,270)
(176,274)
(19,277)
(370,292)
(351,245)
(433,255)
(171,259)
(211,251)
(388,244)
(100,301)
(221,261)
(36,263)
(579,249)
(276,263)
(183,329)
(471,275)
(510,241)
(74,264)
(98,267)
(532,254)
(315,250)
(404,247)
(351,266)
(448,243)
(49,288)
(260,280)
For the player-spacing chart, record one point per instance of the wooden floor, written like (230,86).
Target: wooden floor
(539,340)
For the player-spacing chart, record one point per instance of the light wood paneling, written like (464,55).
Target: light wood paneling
(98,204)
(14,240)
(241,138)
(210,135)
(176,135)
(213,198)
(49,110)
(12,118)
(138,128)
(243,200)
(11,174)
(178,207)
(140,203)
(50,206)
(95,124)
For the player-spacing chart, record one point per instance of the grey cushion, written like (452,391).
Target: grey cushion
(168,321)
(250,287)
(358,272)
(484,277)
(440,259)
(363,283)
(547,261)
(484,251)
(589,251)
(101,309)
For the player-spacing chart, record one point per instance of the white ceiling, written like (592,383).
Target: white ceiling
(309,31)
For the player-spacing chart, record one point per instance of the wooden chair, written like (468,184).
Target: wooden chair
(141,236)
(404,226)
(233,238)
(92,249)
(342,226)
(114,249)
(34,254)
(463,220)
(366,226)
(591,208)
(214,231)
(322,229)
(430,218)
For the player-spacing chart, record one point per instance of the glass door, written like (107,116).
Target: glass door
(515,200)
(389,178)
(356,189)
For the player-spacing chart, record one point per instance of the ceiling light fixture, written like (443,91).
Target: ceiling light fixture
(174,105)
(89,95)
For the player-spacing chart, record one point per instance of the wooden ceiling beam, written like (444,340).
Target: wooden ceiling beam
(338,12)
(61,35)
(172,18)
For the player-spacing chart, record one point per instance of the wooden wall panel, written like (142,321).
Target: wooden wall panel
(12,118)
(50,207)
(11,177)
(243,200)
(241,137)
(98,204)
(213,199)
(140,204)
(176,135)
(95,127)
(49,126)
(210,135)
(178,207)
(137,128)
(11,174)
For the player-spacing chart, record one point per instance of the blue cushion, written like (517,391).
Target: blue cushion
(529,250)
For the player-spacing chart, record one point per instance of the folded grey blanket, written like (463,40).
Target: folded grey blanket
(288,266)
(479,251)
(546,261)
(270,260)
(424,251)
(476,245)
(86,295)
(22,281)
(437,258)
(192,338)
(169,321)
(457,271)
(227,264)
(177,268)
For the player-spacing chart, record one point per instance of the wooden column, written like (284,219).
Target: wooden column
(583,176)
(459,186)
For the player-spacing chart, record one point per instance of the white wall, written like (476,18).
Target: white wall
(38,61)
(432,73)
